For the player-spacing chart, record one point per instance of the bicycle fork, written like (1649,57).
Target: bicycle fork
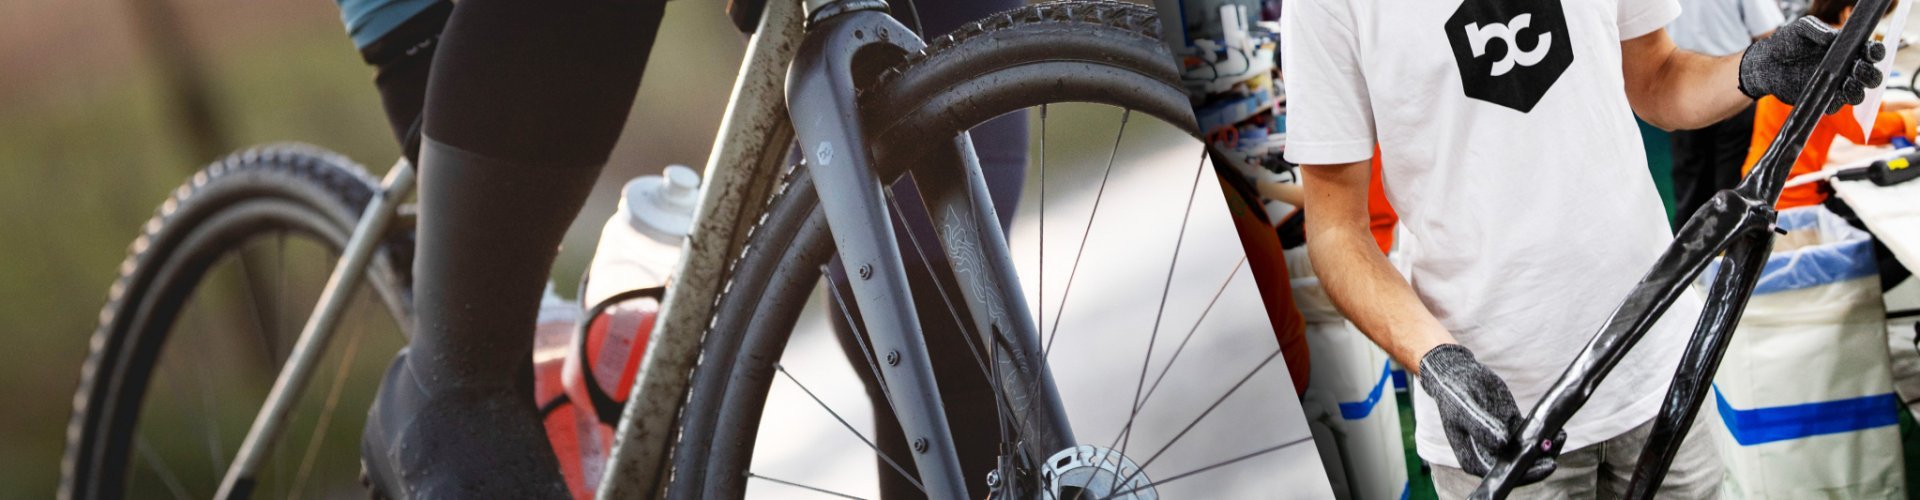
(1739,222)
(829,126)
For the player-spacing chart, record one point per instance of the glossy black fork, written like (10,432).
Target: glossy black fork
(1739,222)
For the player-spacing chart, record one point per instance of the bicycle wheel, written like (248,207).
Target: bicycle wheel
(205,310)
(1103,53)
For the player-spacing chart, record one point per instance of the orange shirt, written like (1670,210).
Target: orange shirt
(1268,263)
(1382,216)
(1771,114)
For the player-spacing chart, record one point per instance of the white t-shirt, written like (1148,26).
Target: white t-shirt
(1527,208)
(1722,27)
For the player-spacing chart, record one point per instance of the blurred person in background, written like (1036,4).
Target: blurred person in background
(1899,119)
(1707,159)
(510,108)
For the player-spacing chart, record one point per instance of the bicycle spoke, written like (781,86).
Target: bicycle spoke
(825,491)
(1224,463)
(917,28)
(1124,437)
(1040,308)
(1190,331)
(269,315)
(1061,312)
(1040,302)
(1203,415)
(279,459)
(263,314)
(211,428)
(159,465)
(1160,313)
(175,381)
(856,433)
(334,388)
(281,312)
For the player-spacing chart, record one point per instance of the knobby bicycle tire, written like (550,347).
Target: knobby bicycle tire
(1073,51)
(289,188)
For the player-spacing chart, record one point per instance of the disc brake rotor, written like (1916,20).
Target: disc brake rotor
(1091,472)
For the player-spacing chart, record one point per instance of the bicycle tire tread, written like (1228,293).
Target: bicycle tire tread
(1134,18)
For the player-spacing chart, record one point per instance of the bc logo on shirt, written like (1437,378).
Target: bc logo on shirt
(1510,52)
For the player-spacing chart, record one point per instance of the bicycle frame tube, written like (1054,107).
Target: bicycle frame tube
(821,91)
(292,380)
(1738,221)
(744,164)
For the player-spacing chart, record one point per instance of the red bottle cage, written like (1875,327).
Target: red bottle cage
(605,407)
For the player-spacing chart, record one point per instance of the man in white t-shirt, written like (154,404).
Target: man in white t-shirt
(1511,154)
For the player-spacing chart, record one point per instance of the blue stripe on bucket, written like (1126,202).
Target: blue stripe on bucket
(1796,270)
(1357,410)
(1851,260)
(1406,490)
(1781,423)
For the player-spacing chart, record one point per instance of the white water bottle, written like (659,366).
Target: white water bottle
(641,242)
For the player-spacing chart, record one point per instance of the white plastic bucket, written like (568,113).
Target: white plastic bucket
(1349,401)
(1906,362)
(1805,391)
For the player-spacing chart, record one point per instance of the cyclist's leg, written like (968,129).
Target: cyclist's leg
(1002,148)
(524,103)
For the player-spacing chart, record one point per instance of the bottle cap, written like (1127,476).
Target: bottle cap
(664,202)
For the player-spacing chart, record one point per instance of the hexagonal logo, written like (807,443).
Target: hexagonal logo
(1510,52)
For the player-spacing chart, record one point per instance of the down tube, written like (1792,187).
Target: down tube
(747,152)
(969,231)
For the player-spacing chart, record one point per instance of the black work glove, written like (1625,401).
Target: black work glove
(1478,412)
(1782,65)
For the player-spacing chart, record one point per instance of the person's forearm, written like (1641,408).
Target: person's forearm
(1285,192)
(1366,288)
(1689,90)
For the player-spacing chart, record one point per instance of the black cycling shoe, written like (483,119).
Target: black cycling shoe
(455,443)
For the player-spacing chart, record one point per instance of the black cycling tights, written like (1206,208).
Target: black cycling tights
(530,96)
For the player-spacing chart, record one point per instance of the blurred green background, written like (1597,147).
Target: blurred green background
(93,137)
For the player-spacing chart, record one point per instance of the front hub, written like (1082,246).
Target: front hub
(1091,472)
